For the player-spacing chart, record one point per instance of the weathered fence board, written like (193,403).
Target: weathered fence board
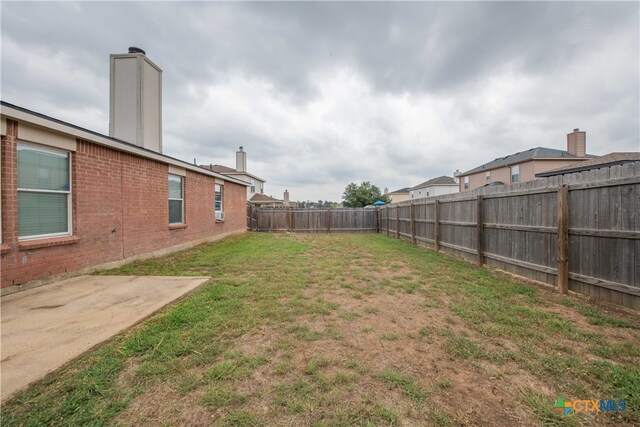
(314,220)
(584,238)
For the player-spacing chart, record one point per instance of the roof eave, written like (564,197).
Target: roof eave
(17,113)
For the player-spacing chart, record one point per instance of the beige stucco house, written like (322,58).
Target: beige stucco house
(524,166)
(240,172)
(400,195)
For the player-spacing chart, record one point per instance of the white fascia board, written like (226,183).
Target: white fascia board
(244,173)
(96,138)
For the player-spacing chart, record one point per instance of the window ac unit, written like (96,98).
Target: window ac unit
(220,215)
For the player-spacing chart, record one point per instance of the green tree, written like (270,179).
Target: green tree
(358,196)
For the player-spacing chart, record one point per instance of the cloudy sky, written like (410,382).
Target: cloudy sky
(324,94)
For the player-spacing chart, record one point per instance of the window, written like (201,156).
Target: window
(261,187)
(176,199)
(466,182)
(487,176)
(515,173)
(218,202)
(44,192)
(253,185)
(427,194)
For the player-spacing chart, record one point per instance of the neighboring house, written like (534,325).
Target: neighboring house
(256,185)
(73,199)
(524,166)
(435,187)
(264,201)
(608,160)
(400,195)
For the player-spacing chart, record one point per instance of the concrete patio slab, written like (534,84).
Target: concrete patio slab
(45,327)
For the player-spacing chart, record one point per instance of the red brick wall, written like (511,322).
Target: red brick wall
(120,210)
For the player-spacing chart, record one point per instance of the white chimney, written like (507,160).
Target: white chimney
(286,197)
(456,174)
(135,113)
(241,160)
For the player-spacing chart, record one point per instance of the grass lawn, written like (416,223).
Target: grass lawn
(341,330)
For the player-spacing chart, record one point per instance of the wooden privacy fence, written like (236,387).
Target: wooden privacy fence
(312,220)
(579,232)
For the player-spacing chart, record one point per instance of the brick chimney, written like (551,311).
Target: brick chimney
(241,160)
(135,111)
(577,143)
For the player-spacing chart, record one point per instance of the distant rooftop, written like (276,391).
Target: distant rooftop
(229,171)
(263,198)
(441,180)
(533,153)
(611,159)
(400,191)
(218,168)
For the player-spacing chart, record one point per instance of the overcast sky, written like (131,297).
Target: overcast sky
(324,94)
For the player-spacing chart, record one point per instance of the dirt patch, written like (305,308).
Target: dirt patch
(161,406)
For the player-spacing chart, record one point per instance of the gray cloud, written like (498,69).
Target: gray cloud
(322,94)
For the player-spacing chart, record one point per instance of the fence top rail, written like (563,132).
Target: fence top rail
(316,209)
(547,190)
(613,182)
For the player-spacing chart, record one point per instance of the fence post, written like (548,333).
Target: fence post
(386,211)
(480,229)
(378,219)
(563,239)
(397,222)
(412,224)
(257,214)
(329,221)
(290,220)
(436,224)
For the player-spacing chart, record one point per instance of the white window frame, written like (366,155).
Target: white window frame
(253,185)
(181,199)
(219,213)
(51,150)
(487,176)
(466,182)
(516,168)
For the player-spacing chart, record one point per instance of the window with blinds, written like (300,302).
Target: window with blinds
(44,191)
(176,199)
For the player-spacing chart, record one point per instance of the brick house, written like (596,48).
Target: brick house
(73,199)
(524,166)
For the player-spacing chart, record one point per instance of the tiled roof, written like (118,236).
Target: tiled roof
(402,190)
(219,168)
(263,198)
(610,159)
(441,180)
(229,171)
(533,153)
